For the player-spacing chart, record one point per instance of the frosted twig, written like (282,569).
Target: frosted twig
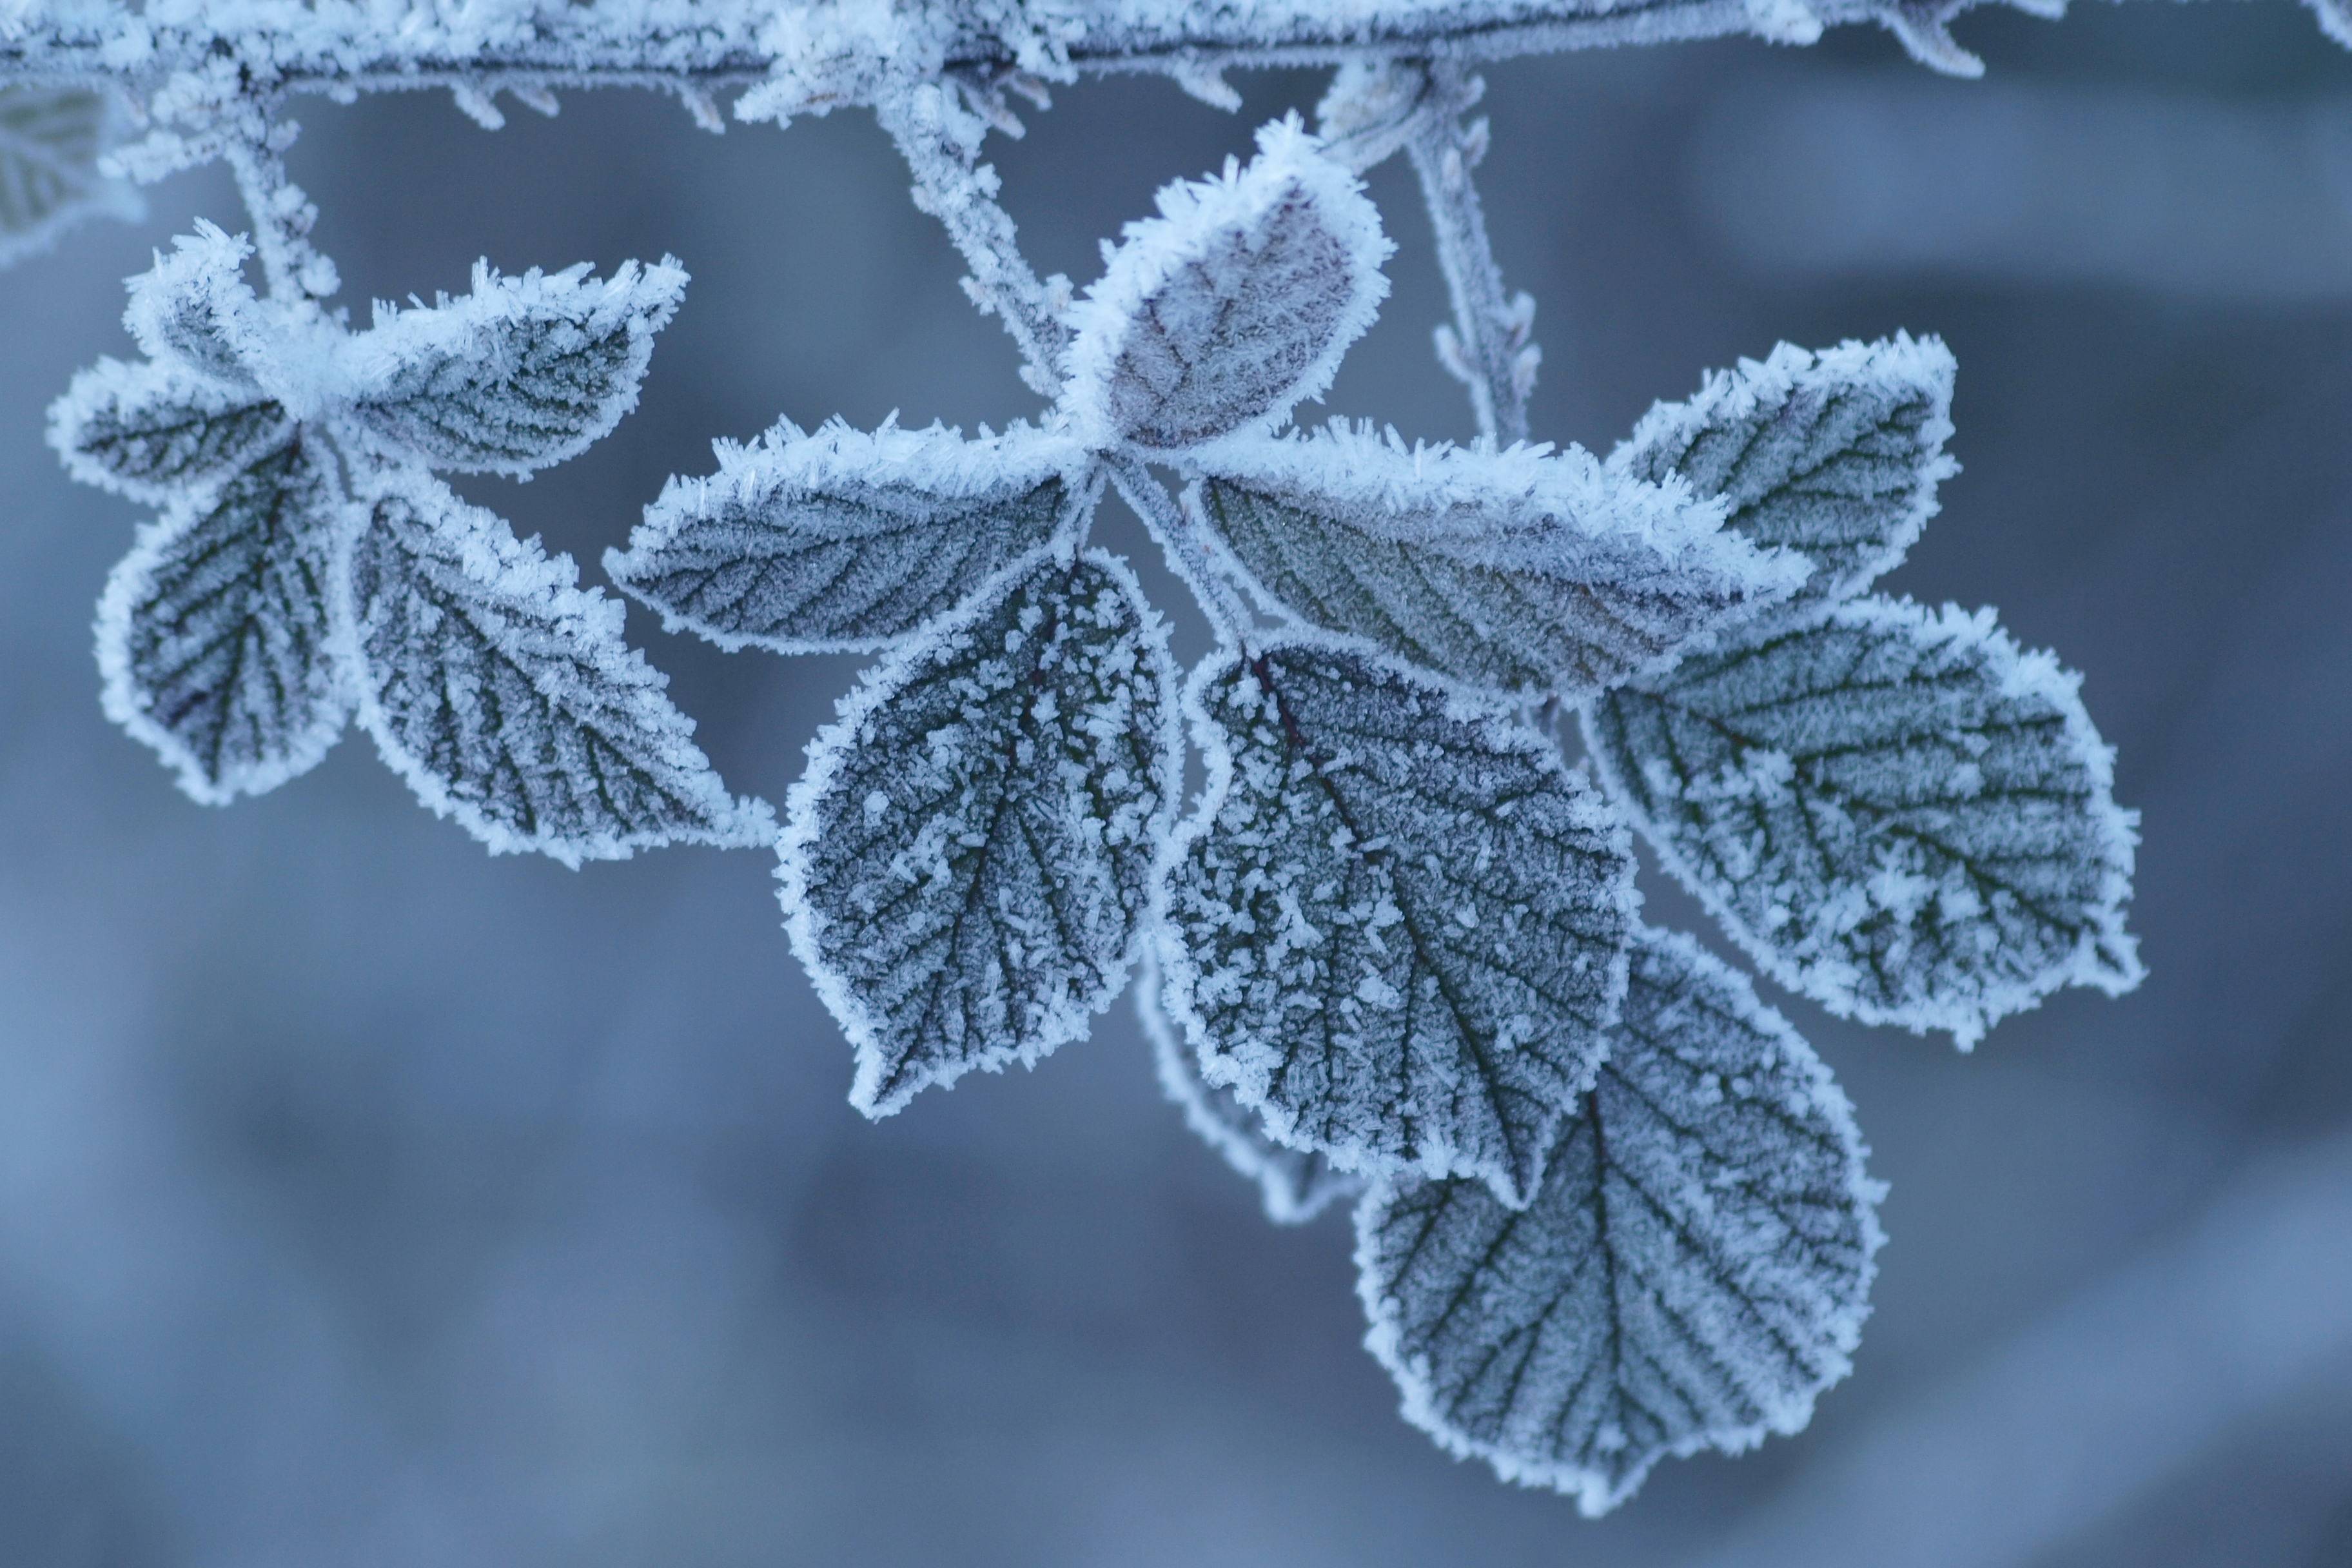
(1488,348)
(939,138)
(297,271)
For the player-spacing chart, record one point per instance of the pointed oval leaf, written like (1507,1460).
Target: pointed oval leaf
(1232,305)
(966,860)
(1396,926)
(520,373)
(154,431)
(1836,455)
(1694,1270)
(213,632)
(845,542)
(506,698)
(195,307)
(1519,571)
(51,141)
(1898,811)
(1295,1184)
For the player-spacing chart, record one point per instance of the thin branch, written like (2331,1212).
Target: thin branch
(1488,348)
(939,138)
(283,216)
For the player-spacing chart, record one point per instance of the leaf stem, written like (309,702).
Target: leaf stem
(1191,554)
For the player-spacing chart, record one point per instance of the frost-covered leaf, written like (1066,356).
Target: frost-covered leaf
(1693,1269)
(506,698)
(1397,924)
(843,541)
(521,372)
(154,430)
(1898,811)
(1518,570)
(213,632)
(1836,455)
(1234,304)
(195,307)
(50,140)
(966,860)
(1295,1184)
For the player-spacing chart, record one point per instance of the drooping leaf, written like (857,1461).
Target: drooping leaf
(1836,455)
(1232,305)
(1898,811)
(1693,1269)
(506,698)
(843,541)
(154,431)
(51,141)
(1397,923)
(213,632)
(1519,571)
(1295,1184)
(521,372)
(193,307)
(966,860)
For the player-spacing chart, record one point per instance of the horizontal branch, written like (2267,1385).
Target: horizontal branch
(816,56)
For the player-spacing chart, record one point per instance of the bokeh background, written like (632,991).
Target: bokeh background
(367,1201)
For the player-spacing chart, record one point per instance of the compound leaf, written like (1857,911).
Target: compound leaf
(966,860)
(154,430)
(1397,924)
(213,632)
(1295,1184)
(1836,455)
(50,140)
(1898,811)
(521,372)
(1234,304)
(1518,571)
(843,541)
(1693,1269)
(506,698)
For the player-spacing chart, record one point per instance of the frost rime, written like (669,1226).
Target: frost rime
(1234,304)
(1898,811)
(1520,571)
(843,541)
(505,697)
(520,373)
(213,636)
(966,863)
(1836,455)
(1397,923)
(1693,1269)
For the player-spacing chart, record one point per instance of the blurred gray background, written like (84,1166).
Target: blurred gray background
(366,1201)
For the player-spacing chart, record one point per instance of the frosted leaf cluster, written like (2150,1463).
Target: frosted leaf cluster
(1608,1206)
(307,568)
